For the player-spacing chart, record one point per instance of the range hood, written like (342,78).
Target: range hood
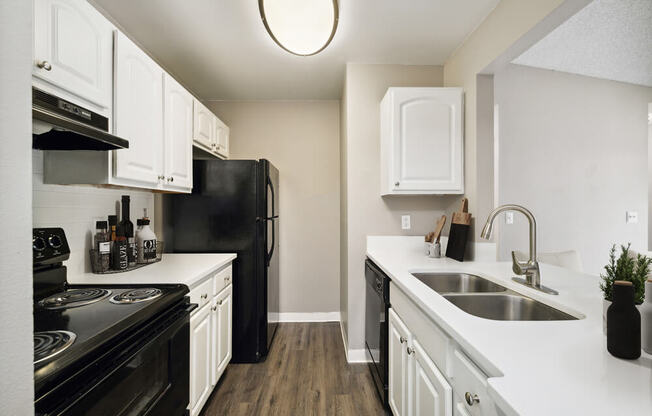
(58,124)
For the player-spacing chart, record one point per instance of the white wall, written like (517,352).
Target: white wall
(301,138)
(16,341)
(76,208)
(573,149)
(649,159)
(366,212)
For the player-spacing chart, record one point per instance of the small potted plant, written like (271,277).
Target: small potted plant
(625,267)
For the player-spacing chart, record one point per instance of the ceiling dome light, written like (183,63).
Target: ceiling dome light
(301,27)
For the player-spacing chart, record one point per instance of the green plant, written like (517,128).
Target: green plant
(626,267)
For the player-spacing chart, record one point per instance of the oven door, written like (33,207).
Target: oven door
(148,378)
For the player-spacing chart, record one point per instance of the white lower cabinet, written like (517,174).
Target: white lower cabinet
(210,336)
(221,327)
(416,386)
(200,359)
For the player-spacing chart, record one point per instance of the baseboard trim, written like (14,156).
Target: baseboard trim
(304,317)
(353,356)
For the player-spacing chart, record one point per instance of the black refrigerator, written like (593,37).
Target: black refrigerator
(234,208)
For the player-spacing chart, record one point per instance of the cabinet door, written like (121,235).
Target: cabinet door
(223,131)
(138,114)
(222,329)
(431,394)
(426,140)
(73,44)
(203,125)
(200,356)
(399,379)
(178,135)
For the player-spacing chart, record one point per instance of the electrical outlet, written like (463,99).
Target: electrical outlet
(631,217)
(405,222)
(509,217)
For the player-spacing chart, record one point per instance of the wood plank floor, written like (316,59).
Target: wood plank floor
(306,373)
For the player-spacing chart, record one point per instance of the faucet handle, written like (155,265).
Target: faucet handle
(517,266)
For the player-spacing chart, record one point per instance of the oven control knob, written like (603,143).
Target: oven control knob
(54,241)
(38,244)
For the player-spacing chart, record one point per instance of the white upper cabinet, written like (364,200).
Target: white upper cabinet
(209,132)
(203,126)
(222,138)
(178,117)
(422,141)
(138,114)
(73,51)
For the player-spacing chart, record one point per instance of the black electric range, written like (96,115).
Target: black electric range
(106,350)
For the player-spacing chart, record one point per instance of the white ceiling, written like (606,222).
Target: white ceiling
(220,49)
(609,39)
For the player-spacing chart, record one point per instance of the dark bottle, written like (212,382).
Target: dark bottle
(120,248)
(623,323)
(128,228)
(113,223)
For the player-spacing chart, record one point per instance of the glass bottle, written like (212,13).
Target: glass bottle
(623,323)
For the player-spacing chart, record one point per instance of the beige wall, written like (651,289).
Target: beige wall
(365,211)
(505,25)
(302,140)
(344,228)
(573,149)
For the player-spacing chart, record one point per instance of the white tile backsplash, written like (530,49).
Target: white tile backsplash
(75,208)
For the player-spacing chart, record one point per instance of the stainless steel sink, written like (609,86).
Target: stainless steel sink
(457,283)
(506,307)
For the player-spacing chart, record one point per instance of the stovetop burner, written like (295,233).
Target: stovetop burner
(137,295)
(74,297)
(47,344)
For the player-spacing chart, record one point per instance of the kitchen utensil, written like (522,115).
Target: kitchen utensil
(459,232)
(439,228)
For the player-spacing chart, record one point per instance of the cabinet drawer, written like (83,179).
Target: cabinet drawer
(222,279)
(468,378)
(202,293)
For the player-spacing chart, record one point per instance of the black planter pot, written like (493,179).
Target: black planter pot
(623,323)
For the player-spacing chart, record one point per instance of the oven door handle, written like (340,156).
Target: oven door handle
(191,307)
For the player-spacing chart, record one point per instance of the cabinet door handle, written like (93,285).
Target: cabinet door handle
(44,65)
(204,296)
(220,302)
(214,308)
(161,177)
(410,350)
(171,178)
(227,279)
(397,183)
(471,399)
(402,339)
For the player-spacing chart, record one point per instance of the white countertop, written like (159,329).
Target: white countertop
(188,269)
(536,367)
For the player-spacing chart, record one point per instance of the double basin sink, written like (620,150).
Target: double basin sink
(486,299)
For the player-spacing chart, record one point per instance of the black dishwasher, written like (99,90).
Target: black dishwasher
(376,326)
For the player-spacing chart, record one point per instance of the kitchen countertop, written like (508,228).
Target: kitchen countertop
(188,269)
(535,367)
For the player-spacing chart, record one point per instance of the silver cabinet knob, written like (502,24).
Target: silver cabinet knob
(397,183)
(204,296)
(402,339)
(220,302)
(171,178)
(227,279)
(471,399)
(161,177)
(410,350)
(214,308)
(44,65)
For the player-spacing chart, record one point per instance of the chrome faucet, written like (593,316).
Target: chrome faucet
(530,268)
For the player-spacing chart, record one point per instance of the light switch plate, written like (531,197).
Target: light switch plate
(631,217)
(405,222)
(509,217)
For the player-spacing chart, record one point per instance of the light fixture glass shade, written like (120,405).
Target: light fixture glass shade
(301,27)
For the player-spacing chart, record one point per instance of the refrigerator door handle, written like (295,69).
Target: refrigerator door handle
(271,188)
(271,251)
